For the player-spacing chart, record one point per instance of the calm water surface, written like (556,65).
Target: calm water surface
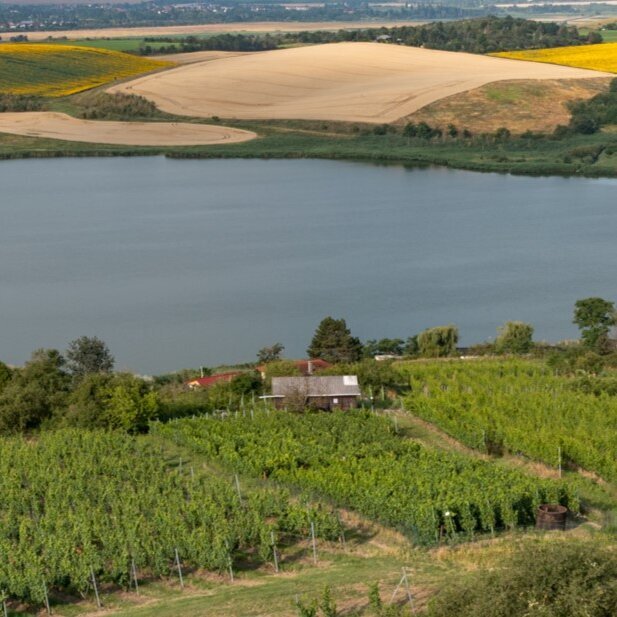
(181,263)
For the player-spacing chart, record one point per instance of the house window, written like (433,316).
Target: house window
(335,401)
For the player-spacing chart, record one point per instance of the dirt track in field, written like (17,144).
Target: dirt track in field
(356,82)
(60,126)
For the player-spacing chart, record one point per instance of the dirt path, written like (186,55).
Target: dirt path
(54,125)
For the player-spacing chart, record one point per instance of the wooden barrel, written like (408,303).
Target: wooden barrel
(551,516)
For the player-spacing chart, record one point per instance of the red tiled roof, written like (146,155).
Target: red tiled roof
(206,382)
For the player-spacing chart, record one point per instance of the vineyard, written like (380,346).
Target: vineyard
(357,460)
(79,507)
(58,70)
(520,407)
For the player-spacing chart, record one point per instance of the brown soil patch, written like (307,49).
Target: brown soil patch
(54,125)
(258,26)
(354,82)
(517,105)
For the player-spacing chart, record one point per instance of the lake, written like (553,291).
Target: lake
(180,263)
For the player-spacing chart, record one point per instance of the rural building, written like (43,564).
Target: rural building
(210,380)
(327,392)
(306,367)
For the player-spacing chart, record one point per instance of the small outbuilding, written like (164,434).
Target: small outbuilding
(327,392)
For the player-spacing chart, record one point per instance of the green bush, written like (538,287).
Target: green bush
(542,579)
(102,106)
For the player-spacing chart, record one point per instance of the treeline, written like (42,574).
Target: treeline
(219,42)
(79,388)
(481,35)
(19,102)
(488,35)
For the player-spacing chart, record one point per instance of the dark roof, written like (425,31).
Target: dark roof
(335,385)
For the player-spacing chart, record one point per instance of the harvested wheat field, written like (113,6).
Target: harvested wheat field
(60,126)
(521,105)
(357,82)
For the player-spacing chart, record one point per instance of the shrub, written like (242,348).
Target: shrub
(542,579)
(117,106)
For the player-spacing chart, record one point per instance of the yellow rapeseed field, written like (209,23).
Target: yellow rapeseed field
(59,70)
(601,57)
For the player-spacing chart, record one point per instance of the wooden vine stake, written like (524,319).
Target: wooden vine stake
(342,535)
(179,569)
(46,596)
(274,552)
(229,562)
(96,589)
(237,481)
(134,575)
(314,543)
(5,610)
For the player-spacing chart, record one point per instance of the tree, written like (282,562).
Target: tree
(270,354)
(411,346)
(246,383)
(384,346)
(5,375)
(438,342)
(333,342)
(35,393)
(112,401)
(514,337)
(594,318)
(89,355)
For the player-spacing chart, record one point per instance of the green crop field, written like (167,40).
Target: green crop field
(129,44)
(58,70)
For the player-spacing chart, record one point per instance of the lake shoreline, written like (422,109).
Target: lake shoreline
(419,162)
